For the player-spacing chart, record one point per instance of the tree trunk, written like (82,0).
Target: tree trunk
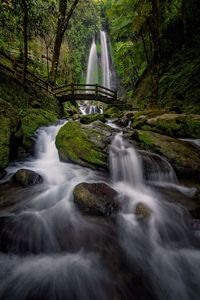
(145,48)
(25,38)
(58,39)
(62,25)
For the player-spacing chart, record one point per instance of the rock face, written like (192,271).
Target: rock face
(96,199)
(143,211)
(184,157)
(86,145)
(25,177)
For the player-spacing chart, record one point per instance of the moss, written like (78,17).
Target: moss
(31,120)
(112,112)
(86,119)
(4,142)
(13,92)
(180,154)
(70,109)
(74,144)
(168,123)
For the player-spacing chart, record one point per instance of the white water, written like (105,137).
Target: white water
(56,252)
(92,67)
(159,247)
(106,73)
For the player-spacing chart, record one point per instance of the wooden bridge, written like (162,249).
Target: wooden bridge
(86,92)
(64,93)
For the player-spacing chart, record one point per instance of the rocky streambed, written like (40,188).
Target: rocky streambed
(97,219)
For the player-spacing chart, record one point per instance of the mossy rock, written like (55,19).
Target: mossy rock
(31,121)
(112,112)
(168,123)
(87,119)
(84,144)
(70,109)
(184,157)
(140,118)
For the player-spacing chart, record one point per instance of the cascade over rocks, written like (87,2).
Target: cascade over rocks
(27,177)
(96,199)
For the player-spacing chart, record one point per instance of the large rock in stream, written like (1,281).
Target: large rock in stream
(86,145)
(25,177)
(96,199)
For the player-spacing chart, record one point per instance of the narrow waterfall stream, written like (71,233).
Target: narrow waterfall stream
(50,251)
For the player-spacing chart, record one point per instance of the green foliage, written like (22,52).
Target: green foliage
(4,142)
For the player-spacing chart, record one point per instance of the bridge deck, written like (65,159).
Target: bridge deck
(87,92)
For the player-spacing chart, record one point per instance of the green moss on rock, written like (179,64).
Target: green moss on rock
(87,119)
(81,145)
(32,120)
(70,109)
(113,112)
(184,157)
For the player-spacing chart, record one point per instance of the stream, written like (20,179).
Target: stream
(51,251)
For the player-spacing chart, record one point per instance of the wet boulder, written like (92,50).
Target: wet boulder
(143,211)
(25,177)
(96,199)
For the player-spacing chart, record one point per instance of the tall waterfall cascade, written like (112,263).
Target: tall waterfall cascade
(105,64)
(93,70)
(92,67)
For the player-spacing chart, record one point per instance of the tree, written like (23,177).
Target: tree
(62,25)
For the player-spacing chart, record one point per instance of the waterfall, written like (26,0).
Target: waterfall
(125,164)
(106,73)
(92,67)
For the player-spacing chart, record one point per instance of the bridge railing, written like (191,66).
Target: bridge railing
(15,69)
(95,89)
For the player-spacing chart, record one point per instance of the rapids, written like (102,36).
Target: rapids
(50,251)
